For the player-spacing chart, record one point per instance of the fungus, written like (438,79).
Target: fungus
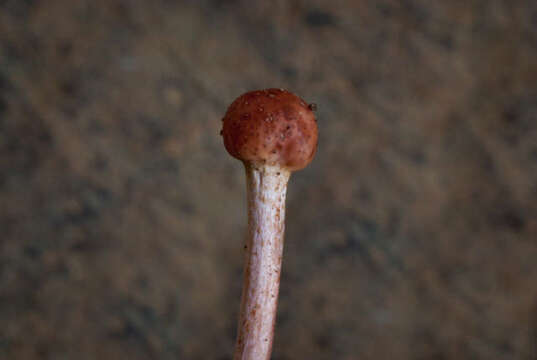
(270,150)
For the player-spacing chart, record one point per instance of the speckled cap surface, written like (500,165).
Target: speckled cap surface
(271,126)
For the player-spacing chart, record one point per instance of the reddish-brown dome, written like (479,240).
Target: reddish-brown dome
(271,126)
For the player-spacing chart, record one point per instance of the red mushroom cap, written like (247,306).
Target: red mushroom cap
(271,126)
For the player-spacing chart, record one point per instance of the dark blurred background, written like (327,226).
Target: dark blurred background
(412,235)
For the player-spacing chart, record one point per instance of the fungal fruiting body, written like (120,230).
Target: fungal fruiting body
(273,132)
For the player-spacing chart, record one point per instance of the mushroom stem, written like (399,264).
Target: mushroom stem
(266,187)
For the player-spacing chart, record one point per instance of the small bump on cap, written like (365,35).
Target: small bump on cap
(271,126)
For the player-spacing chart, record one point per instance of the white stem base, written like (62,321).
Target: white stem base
(266,190)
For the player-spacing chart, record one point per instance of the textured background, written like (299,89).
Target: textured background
(412,235)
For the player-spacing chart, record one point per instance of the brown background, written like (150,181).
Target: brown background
(412,235)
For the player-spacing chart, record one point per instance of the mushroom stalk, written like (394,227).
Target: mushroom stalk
(266,187)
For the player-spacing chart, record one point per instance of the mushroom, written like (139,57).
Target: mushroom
(273,132)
